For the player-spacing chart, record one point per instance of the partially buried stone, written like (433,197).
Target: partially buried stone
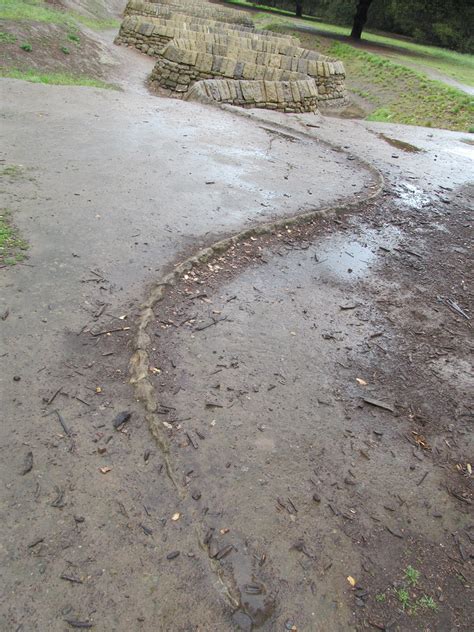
(242,621)
(121,418)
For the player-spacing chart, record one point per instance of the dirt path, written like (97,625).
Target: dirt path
(111,189)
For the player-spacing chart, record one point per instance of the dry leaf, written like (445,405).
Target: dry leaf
(105,469)
(360,381)
(98,389)
(469,468)
(351,581)
(154,370)
(176,516)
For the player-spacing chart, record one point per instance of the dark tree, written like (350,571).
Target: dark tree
(299,8)
(360,18)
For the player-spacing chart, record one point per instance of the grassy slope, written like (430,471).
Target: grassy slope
(55,78)
(397,94)
(37,12)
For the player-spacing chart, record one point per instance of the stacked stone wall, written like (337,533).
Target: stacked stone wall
(177,69)
(205,9)
(150,35)
(201,56)
(279,44)
(141,7)
(328,74)
(285,96)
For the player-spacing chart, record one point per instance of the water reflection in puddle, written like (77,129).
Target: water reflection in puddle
(351,256)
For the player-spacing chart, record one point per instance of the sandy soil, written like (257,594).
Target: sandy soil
(102,527)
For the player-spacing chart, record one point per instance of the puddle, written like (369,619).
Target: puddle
(351,256)
(412,196)
(459,150)
(400,144)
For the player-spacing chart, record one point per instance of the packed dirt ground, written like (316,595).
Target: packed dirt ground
(309,466)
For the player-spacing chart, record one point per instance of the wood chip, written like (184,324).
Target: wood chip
(379,404)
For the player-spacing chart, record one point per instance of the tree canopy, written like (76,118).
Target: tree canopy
(445,23)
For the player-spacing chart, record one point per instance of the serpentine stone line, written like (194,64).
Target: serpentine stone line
(257,69)
(140,361)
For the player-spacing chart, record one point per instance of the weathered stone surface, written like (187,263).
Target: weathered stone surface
(213,53)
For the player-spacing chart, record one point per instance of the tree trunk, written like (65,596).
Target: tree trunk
(299,8)
(360,18)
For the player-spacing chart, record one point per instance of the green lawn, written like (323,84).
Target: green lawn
(396,93)
(37,11)
(55,78)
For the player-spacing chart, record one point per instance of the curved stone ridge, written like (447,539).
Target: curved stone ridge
(328,73)
(140,31)
(177,69)
(299,95)
(197,43)
(204,10)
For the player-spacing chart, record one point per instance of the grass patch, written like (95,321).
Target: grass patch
(403,95)
(412,575)
(427,602)
(407,595)
(12,171)
(7,38)
(37,11)
(403,597)
(12,247)
(397,94)
(55,78)
(74,37)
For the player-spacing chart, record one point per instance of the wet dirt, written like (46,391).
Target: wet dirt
(321,393)
(109,189)
(399,144)
(113,189)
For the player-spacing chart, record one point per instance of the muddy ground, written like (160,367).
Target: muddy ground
(317,390)
(274,481)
